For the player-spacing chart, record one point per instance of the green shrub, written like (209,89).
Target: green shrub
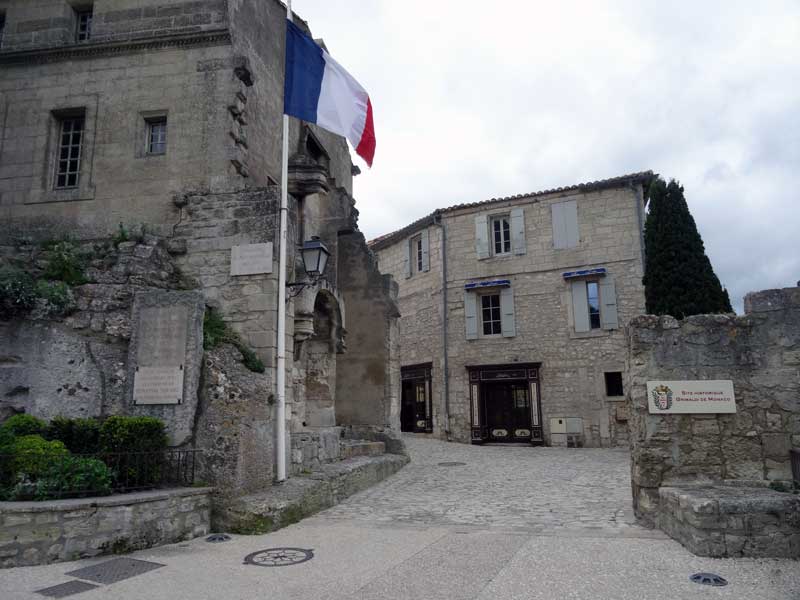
(80,436)
(17,292)
(132,434)
(33,455)
(64,264)
(121,235)
(74,476)
(57,295)
(216,332)
(22,425)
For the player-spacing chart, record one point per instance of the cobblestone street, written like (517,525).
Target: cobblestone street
(513,523)
(517,487)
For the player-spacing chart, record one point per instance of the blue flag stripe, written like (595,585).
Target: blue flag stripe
(303,74)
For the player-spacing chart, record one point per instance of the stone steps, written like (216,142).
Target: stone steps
(353,448)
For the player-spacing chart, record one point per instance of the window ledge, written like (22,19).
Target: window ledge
(595,333)
(615,398)
(78,194)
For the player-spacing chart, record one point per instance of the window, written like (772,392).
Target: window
(594,304)
(68,164)
(84,25)
(593,300)
(614,384)
(501,235)
(416,244)
(157,136)
(2,27)
(490,314)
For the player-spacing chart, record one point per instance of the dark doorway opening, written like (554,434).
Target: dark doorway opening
(415,403)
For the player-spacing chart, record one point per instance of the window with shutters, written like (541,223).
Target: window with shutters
(416,246)
(501,234)
(491,320)
(594,305)
(565,224)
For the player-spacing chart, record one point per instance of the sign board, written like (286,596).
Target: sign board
(251,259)
(162,335)
(158,385)
(690,397)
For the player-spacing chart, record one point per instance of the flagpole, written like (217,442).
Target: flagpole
(280,378)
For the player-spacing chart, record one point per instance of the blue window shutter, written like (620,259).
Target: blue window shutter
(608,304)
(580,306)
(482,236)
(471,315)
(426,251)
(408,258)
(508,326)
(518,231)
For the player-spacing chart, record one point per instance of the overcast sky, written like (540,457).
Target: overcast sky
(475,100)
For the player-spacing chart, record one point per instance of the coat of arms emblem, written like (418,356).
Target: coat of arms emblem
(662,397)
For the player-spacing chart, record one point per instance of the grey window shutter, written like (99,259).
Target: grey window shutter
(518,231)
(559,230)
(580,306)
(426,251)
(508,327)
(408,258)
(608,304)
(571,223)
(482,236)
(471,315)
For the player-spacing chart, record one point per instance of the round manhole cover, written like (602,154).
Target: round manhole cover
(452,464)
(216,538)
(279,557)
(708,579)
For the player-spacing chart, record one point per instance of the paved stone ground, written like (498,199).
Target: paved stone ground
(515,523)
(512,487)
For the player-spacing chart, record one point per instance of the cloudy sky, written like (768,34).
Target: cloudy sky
(475,100)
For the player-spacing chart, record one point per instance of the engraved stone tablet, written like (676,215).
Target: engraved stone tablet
(158,385)
(251,259)
(162,336)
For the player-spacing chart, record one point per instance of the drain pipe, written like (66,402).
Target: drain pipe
(437,220)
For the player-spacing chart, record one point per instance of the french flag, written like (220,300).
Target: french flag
(319,90)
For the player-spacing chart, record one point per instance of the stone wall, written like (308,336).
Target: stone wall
(78,365)
(35,533)
(760,353)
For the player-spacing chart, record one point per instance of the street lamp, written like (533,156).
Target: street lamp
(315,259)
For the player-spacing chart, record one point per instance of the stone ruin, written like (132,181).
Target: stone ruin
(720,483)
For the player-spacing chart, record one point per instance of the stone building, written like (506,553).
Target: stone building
(159,122)
(512,311)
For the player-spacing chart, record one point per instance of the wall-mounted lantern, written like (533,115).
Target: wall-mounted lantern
(315,259)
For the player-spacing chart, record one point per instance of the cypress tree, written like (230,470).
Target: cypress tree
(679,279)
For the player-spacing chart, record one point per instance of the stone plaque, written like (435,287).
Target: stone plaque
(158,385)
(162,336)
(686,397)
(251,259)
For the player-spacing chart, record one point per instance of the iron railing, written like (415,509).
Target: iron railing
(41,476)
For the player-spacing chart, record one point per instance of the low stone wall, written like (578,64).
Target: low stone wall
(730,521)
(35,533)
(760,353)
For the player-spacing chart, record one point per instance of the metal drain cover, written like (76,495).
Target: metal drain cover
(708,579)
(216,538)
(452,464)
(279,557)
(62,590)
(115,570)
